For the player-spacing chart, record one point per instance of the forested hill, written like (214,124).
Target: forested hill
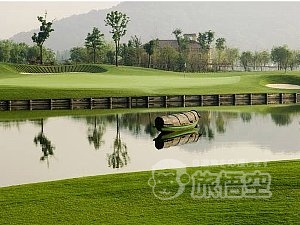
(246,25)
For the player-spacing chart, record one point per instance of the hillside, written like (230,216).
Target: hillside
(247,25)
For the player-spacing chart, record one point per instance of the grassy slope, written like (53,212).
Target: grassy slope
(130,81)
(127,199)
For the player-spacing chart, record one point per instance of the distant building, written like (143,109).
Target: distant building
(193,43)
(191,37)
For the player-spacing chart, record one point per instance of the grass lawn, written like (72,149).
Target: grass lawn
(128,199)
(131,81)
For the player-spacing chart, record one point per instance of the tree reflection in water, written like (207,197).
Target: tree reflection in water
(95,134)
(204,125)
(47,147)
(119,158)
(281,119)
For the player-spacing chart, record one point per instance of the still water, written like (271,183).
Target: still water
(66,147)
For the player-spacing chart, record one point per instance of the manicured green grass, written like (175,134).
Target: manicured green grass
(128,199)
(130,81)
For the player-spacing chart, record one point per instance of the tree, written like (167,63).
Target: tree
(220,46)
(18,53)
(255,59)
(246,59)
(5,50)
(205,40)
(149,48)
(94,41)
(231,56)
(78,54)
(263,59)
(43,35)
(118,22)
(137,46)
(294,59)
(181,41)
(182,46)
(169,57)
(281,55)
(33,54)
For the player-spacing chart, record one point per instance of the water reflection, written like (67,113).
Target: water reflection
(171,139)
(96,131)
(119,157)
(90,145)
(45,143)
(281,119)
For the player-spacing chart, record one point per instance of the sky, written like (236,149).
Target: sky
(21,16)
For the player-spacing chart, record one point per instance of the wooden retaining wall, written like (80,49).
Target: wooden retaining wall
(151,101)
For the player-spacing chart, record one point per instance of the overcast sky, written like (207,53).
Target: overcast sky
(19,16)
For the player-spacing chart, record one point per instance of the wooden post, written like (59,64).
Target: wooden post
(218,98)
(71,103)
(91,103)
(296,98)
(166,101)
(267,99)
(30,104)
(50,101)
(201,100)
(250,99)
(129,102)
(147,101)
(281,98)
(9,105)
(234,99)
(110,102)
(183,100)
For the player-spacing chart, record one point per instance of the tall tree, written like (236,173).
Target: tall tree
(149,48)
(294,59)
(246,59)
(281,55)
(182,46)
(231,56)
(137,45)
(118,22)
(181,40)
(40,37)
(220,46)
(94,41)
(263,58)
(205,40)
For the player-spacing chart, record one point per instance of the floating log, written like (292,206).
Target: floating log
(166,139)
(178,121)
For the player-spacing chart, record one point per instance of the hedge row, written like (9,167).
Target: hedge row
(89,68)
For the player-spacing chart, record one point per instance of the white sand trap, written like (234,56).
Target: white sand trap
(283,86)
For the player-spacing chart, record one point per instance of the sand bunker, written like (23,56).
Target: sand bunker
(283,86)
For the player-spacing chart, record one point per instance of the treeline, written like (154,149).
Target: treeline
(21,53)
(200,52)
(167,57)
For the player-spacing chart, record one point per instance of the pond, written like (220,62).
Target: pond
(66,147)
